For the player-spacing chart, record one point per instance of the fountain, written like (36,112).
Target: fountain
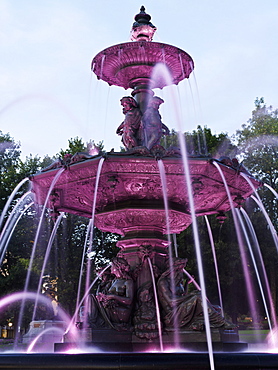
(129,202)
(141,304)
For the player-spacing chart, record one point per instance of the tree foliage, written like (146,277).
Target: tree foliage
(9,160)
(202,142)
(258,142)
(76,145)
(258,148)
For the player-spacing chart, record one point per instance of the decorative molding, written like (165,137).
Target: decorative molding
(131,183)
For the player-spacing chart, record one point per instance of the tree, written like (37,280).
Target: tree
(32,165)
(258,143)
(202,142)
(14,267)
(258,148)
(227,258)
(76,145)
(67,257)
(9,159)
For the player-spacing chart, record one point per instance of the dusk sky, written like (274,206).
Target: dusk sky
(48,93)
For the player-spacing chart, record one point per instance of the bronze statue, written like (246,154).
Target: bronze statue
(153,126)
(182,308)
(116,303)
(145,316)
(130,128)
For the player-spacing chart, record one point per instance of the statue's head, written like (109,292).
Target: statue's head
(178,264)
(156,101)
(128,102)
(121,266)
(145,292)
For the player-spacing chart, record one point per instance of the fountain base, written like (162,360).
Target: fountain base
(114,341)
(139,361)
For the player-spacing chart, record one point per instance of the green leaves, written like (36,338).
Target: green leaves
(202,142)
(258,148)
(76,145)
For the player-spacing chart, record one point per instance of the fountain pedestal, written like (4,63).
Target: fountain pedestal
(109,340)
(47,332)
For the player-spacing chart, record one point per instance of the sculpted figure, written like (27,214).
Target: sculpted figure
(116,303)
(186,308)
(145,317)
(130,127)
(153,126)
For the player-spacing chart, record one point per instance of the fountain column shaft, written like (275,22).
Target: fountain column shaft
(142,94)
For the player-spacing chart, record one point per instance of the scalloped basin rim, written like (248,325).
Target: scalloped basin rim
(123,63)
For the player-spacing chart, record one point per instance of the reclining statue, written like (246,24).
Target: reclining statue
(183,309)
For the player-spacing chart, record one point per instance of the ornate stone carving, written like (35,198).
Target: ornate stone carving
(123,221)
(120,64)
(126,181)
(145,317)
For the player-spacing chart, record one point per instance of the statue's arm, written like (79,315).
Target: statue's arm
(129,291)
(136,118)
(127,299)
(165,293)
(165,129)
(119,130)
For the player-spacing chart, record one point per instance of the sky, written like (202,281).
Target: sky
(48,93)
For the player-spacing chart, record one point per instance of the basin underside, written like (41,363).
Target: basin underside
(130,196)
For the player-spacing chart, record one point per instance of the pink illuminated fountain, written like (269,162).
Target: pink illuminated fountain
(144,194)
(123,193)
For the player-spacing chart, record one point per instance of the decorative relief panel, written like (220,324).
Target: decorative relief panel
(132,179)
(122,221)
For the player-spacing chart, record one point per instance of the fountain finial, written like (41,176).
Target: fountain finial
(142,28)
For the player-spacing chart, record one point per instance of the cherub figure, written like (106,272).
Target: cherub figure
(130,127)
(153,126)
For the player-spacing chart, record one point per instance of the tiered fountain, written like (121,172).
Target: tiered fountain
(141,304)
(129,201)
